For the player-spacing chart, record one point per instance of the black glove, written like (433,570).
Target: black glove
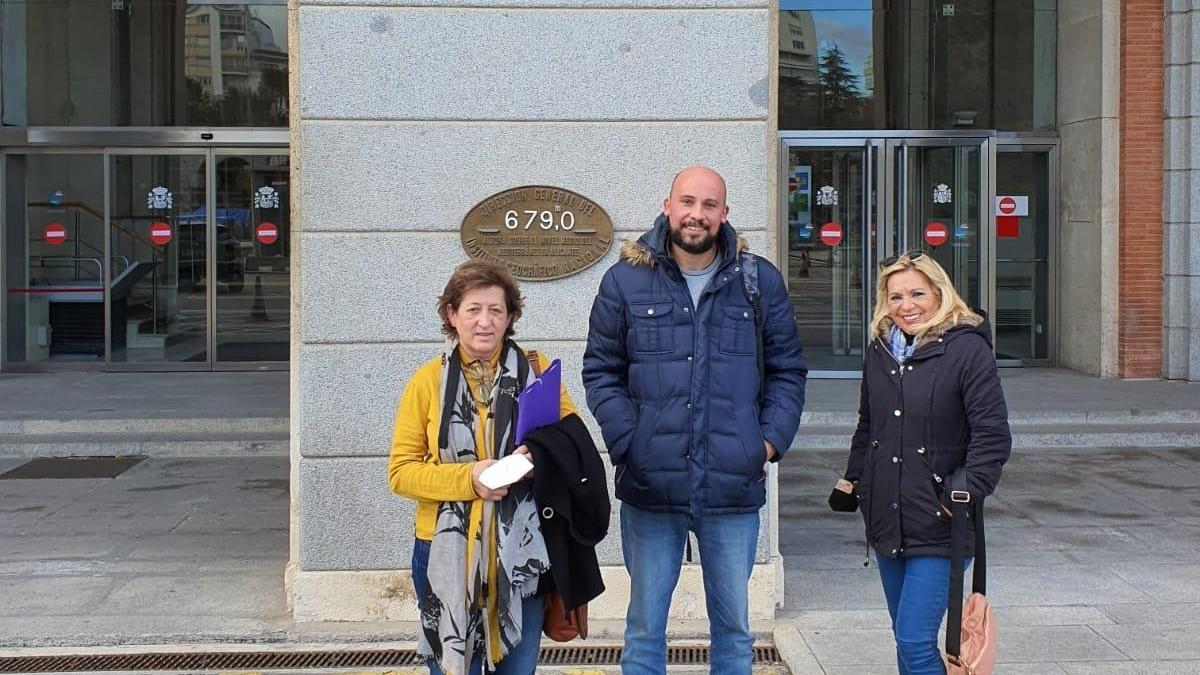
(843,501)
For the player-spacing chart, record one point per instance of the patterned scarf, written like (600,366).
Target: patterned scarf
(899,344)
(473,605)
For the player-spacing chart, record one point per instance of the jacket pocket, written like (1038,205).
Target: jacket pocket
(737,331)
(936,479)
(750,434)
(653,328)
(643,433)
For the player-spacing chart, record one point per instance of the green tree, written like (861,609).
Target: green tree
(839,85)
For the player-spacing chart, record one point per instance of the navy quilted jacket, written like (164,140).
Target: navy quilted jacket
(676,390)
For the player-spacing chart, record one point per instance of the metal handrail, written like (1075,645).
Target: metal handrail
(42,260)
(100,216)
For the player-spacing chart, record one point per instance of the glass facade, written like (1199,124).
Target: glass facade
(194,246)
(917,64)
(143,63)
(1023,256)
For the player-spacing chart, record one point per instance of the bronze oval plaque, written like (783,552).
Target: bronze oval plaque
(538,232)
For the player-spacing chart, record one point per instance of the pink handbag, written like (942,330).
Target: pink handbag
(971,631)
(977,645)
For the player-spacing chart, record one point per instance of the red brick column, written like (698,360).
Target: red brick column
(1140,298)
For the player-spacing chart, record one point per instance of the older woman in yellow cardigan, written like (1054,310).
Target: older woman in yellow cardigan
(479,558)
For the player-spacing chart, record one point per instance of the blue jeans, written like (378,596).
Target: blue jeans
(917,591)
(653,547)
(523,657)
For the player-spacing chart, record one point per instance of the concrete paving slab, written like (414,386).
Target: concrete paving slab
(97,520)
(271,544)
(1185,457)
(852,647)
(1051,616)
(1090,505)
(861,670)
(1133,668)
(1060,643)
(100,395)
(846,539)
(248,597)
(800,476)
(83,547)
(95,629)
(231,522)
(1028,669)
(794,650)
(1167,542)
(50,596)
(120,568)
(1163,582)
(835,561)
(833,589)
(817,619)
(1158,614)
(1064,585)
(15,518)
(1086,544)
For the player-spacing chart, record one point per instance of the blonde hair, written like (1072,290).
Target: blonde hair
(952,309)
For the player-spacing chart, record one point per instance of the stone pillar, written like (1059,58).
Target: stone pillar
(405,117)
(1181,201)
(1089,225)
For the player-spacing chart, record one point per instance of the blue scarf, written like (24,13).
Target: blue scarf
(901,348)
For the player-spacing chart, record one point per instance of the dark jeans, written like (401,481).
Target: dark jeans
(523,657)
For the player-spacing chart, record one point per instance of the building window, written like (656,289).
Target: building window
(987,65)
(187,85)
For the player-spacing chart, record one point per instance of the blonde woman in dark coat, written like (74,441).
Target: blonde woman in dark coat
(931,405)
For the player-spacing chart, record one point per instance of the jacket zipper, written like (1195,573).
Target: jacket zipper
(900,449)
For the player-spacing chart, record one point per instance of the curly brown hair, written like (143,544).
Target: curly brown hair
(475,274)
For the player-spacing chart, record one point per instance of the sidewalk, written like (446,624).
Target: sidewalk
(1093,549)
(1031,393)
(1093,566)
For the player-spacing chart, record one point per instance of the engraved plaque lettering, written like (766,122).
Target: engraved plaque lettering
(538,232)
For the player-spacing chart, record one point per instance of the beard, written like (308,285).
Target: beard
(697,247)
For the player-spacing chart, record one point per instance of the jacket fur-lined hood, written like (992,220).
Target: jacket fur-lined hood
(646,250)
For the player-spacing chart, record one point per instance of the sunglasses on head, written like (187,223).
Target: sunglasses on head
(914,254)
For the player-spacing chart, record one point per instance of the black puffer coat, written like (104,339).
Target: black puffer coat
(942,411)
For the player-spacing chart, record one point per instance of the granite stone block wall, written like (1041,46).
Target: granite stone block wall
(1181,192)
(406,114)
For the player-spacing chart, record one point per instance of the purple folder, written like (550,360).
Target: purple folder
(539,404)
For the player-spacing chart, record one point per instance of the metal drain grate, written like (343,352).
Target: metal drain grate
(211,661)
(72,467)
(550,656)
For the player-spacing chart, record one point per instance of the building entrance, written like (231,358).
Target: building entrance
(849,201)
(146,257)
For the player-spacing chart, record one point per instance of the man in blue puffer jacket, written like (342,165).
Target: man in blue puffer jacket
(690,412)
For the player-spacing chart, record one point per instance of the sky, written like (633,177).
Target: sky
(847,23)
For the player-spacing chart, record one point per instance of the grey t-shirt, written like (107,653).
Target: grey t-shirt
(698,280)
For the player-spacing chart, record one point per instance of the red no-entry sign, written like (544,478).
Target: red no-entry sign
(54,234)
(936,233)
(831,234)
(1007,206)
(267,232)
(160,233)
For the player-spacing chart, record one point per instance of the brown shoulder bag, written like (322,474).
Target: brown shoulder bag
(557,623)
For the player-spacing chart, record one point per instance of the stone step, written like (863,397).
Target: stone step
(1037,436)
(147,425)
(1019,418)
(191,444)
